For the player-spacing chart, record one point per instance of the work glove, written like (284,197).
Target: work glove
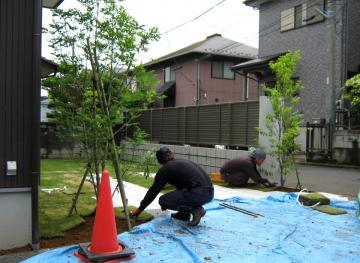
(269,184)
(136,212)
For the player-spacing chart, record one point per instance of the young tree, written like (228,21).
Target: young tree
(102,36)
(283,124)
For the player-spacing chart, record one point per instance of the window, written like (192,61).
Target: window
(169,74)
(132,83)
(287,20)
(222,70)
(302,15)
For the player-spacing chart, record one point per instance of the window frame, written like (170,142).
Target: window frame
(222,62)
(171,73)
(302,9)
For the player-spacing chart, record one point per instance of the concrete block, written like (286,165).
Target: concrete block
(220,153)
(219,163)
(194,158)
(209,160)
(186,150)
(202,151)
(202,160)
(211,152)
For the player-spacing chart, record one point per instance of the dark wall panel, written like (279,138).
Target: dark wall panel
(225,123)
(181,124)
(157,122)
(231,124)
(209,125)
(192,121)
(170,125)
(16,87)
(145,122)
(253,123)
(238,124)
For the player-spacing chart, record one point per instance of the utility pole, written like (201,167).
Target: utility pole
(330,81)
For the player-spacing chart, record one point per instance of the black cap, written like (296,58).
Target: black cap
(164,154)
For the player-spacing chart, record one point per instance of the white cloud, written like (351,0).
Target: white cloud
(232,19)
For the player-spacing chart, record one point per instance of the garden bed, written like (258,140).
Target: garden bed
(78,234)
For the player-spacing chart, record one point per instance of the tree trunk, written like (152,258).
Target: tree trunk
(73,206)
(105,110)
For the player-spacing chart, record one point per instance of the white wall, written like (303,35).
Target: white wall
(15,217)
(270,163)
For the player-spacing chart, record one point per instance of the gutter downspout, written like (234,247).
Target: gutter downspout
(198,83)
(35,125)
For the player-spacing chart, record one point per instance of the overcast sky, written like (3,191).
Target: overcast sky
(231,18)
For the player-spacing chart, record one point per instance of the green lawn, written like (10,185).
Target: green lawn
(54,207)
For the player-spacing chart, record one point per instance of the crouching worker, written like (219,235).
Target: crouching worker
(239,170)
(193,188)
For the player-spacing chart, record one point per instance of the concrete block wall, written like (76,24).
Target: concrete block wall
(75,152)
(346,147)
(210,159)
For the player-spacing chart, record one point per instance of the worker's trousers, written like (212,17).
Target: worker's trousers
(187,199)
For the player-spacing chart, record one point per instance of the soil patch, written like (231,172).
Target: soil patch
(79,234)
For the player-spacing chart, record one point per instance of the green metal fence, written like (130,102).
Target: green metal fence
(230,124)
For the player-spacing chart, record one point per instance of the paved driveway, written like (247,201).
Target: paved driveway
(341,181)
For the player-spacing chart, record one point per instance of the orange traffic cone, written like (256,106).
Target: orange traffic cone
(104,246)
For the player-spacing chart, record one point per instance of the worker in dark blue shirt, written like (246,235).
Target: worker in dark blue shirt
(193,188)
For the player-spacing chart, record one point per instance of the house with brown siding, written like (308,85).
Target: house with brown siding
(201,74)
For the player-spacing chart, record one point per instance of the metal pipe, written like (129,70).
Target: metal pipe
(240,210)
(35,125)
(198,97)
(331,25)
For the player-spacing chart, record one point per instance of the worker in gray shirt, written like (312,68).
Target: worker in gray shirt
(238,171)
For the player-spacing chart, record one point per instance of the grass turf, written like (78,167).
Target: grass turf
(54,207)
(329,210)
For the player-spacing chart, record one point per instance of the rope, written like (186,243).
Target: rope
(301,204)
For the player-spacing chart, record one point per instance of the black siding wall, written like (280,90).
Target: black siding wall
(16,89)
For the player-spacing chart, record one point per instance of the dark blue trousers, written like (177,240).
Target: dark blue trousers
(187,199)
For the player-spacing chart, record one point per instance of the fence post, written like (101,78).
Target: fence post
(230,124)
(247,123)
(185,121)
(197,125)
(307,150)
(220,142)
(162,124)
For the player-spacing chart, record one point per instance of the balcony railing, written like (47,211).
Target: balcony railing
(348,119)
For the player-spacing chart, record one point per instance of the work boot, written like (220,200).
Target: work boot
(183,216)
(197,214)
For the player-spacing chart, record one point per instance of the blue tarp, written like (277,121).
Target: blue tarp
(287,233)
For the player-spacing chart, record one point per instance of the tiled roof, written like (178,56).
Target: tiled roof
(213,45)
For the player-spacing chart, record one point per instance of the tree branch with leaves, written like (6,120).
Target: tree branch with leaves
(283,123)
(102,36)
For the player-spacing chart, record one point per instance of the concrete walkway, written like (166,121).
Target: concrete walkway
(135,194)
